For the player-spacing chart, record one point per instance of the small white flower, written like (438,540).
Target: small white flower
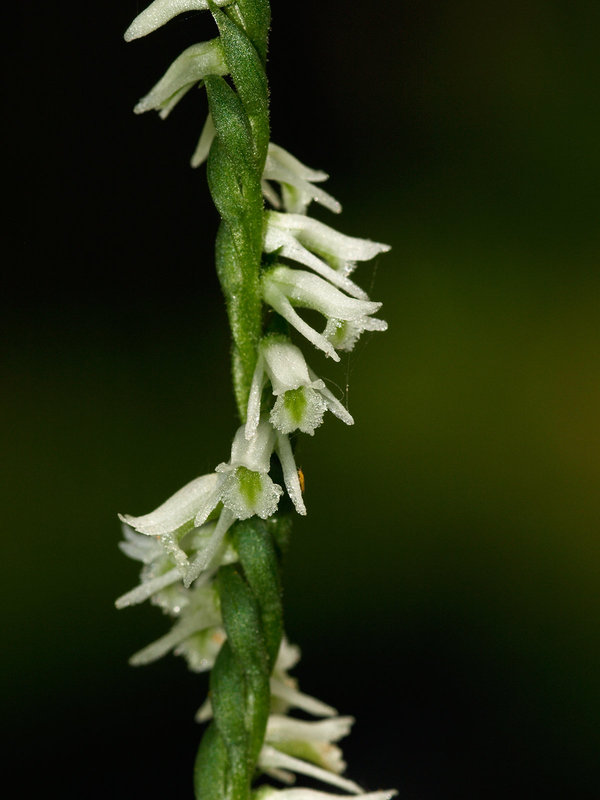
(201,649)
(161,11)
(192,66)
(326,251)
(296,181)
(302,398)
(283,288)
(160,578)
(311,741)
(175,517)
(282,766)
(178,511)
(200,614)
(243,484)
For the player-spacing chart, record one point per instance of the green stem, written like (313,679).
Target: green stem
(235,168)
(250,595)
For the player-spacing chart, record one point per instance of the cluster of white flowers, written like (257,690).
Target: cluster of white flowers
(292,746)
(298,398)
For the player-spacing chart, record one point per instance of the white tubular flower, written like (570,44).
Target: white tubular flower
(311,741)
(302,398)
(284,288)
(269,793)
(282,766)
(201,649)
(192,66)
(160,12)
(243,483)
(175,517)
(160,579)
(296,181)
(201,613)
(326,251)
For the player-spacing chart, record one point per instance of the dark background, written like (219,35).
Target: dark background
(444,587)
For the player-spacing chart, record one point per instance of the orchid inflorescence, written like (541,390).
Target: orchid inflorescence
(211,552)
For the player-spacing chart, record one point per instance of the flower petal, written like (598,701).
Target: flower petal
(203,558)
(297,699)
(204,142)
(274,297)
(192,66)
(161,11)
(290,472)
(148,588)
(178,510)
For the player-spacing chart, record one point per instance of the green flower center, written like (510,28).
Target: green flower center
(250,484)
(294,401)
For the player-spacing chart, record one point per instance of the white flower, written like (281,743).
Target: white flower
(296,181)
(302,398)
(201,649)
(312,741)
(326,251)
(283,288)
(243,484)
(160,578)
(193,65)
(175,517)
(282,766)
(161,11)
(201,614)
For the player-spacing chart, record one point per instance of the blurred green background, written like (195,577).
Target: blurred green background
(444,587)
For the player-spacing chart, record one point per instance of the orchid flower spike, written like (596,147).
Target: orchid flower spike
(301,397)
(192,66)
(296,181)
(326,251)
(284,288)
(160,12)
